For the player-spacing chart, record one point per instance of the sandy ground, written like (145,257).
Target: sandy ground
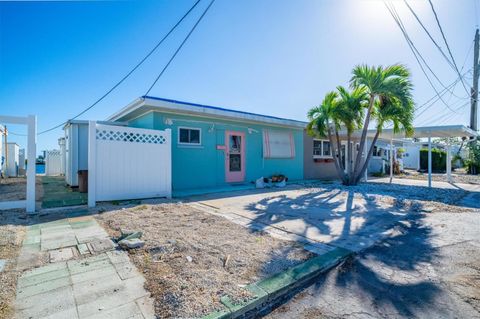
(174,233)
(14,188)
(11,236)
(458,176)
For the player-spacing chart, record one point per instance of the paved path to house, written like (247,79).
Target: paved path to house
(78,273)
(57,194)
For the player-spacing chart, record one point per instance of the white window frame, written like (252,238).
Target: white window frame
(321,149)
(189,128)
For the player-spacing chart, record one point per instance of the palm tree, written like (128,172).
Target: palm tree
(389,100)
(323,122)
(350,111)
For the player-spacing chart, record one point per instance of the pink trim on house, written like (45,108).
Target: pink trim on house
(235,177)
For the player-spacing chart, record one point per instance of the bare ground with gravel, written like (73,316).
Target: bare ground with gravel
(458,176)
(15,188)
(224,256)
(11,235)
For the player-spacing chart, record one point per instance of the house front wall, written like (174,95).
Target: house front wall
(204,165)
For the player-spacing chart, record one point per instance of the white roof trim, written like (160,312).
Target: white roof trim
(141,106)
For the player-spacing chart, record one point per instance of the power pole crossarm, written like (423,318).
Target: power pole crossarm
(474,90)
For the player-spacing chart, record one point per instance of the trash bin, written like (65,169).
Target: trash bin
(83,181)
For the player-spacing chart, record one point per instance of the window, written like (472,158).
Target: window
(278,144)
(326,148)
(317,147)
(376,151)
(321,148)
(188,135)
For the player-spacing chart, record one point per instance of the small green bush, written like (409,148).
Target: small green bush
(439,160)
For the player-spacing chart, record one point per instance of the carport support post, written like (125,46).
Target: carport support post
(31,154)
(429,161)
(391,159)
(449,163)
(92,149)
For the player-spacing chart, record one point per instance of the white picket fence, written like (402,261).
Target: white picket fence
(53,163)
(128,163)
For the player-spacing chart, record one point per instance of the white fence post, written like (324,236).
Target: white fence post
(31,168)
(168,163)
(92,159)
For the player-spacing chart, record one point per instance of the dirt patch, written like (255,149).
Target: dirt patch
(11,235)
(15,188)
(186,251)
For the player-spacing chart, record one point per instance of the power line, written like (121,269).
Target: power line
(429,35)
(446,43)
(415,52)
(129,73)
(180,47)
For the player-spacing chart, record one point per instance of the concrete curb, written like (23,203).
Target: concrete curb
(270,291)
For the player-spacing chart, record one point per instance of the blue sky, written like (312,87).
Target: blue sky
(265,56)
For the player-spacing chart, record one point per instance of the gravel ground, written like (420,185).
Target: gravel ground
(176,232)
(458,176)
(11,236)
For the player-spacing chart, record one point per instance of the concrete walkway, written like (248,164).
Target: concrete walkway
(424,183)
(84,277)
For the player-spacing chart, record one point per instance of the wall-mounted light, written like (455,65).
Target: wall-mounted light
(251,130)
(168,121)
(211,129)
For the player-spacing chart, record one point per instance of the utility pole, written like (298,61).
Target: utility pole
(474,90)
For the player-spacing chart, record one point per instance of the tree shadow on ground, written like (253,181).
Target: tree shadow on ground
(351,218)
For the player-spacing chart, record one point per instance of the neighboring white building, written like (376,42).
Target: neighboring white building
(76,150)
(63,154)
(21,162)
(12,159)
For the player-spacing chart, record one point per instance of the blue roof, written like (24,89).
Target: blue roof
(217,108)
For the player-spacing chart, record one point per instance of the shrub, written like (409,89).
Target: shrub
(439,160)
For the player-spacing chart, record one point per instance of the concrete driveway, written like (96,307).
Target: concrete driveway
(328,214)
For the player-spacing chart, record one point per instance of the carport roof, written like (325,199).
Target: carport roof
(423,132)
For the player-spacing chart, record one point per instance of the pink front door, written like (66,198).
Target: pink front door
(234,156)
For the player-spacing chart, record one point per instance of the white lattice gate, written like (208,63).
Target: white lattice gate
(128,163)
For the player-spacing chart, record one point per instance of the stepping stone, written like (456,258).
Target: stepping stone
(101,245)
(63,254)
(83,249)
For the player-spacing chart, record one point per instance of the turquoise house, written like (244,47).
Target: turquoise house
(215,147)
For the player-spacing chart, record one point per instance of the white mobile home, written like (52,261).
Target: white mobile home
(76,150)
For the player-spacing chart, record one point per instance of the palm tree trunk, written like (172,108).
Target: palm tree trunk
(339,169)
(339,146)
(363,138)
(349,158)
(369,156)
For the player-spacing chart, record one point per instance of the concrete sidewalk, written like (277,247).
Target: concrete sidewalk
(83,278)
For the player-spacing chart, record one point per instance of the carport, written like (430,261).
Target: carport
(428,132)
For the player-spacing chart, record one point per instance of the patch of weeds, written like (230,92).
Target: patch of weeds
(378,174)
(115,202)
(135,202)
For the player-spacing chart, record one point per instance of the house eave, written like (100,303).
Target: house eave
(146,104)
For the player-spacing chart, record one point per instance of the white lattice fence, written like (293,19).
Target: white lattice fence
(53,163)
(128,163)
